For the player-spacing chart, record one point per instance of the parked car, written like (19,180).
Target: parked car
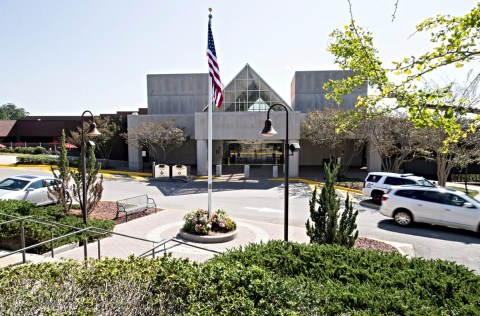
(30,188)
(378,183)
(438,206)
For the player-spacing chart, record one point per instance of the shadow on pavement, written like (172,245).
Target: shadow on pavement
(369,204)
(175,188)
(432,231)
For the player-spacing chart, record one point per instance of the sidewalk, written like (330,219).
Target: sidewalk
(165,225)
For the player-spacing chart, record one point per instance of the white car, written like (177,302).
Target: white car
(30,188)
(378,183)
(438,206)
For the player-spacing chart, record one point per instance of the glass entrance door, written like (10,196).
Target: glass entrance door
(252,153)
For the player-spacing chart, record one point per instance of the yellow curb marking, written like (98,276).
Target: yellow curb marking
(139,178)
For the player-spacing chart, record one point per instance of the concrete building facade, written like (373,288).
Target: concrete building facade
(236,125)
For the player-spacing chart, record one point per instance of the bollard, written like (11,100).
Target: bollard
(275,172)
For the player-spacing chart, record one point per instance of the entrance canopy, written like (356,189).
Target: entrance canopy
(248,92)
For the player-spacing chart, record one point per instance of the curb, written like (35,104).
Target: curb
(406,250)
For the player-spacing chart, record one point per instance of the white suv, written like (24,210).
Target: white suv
(438,206)
(378,183)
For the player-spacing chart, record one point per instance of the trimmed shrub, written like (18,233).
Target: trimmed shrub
(36,233)
(36,160)
(277,278)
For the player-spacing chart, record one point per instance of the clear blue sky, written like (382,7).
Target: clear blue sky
(63,57)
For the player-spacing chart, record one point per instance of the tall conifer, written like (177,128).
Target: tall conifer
(329,225)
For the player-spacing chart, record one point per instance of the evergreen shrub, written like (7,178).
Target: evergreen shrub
(276,278)
(36,233)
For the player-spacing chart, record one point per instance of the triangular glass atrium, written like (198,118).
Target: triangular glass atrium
(248,92)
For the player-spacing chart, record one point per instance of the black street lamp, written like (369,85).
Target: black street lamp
(92,132)
(268,130)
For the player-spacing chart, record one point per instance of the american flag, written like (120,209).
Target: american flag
(213,67)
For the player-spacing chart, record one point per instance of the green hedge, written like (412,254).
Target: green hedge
(24,150)
(35,233)
(276,278)
(36,160)
(460,177)
(44,160)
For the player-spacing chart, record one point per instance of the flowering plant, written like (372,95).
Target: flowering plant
(197,222)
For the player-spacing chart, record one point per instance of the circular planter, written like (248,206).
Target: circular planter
(209,239)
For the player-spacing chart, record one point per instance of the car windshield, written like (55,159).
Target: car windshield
(425,183)
(13,184)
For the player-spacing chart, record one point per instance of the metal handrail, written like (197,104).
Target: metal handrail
(43,242)
(87,229)
(52,240)
(17,218)
(177,241)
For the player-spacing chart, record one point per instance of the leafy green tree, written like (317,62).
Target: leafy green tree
(329,225)
(111,129)
(158,138)
(455,41)
(93,183)
(10,111)
(59,192)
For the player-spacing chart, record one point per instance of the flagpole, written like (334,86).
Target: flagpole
(209,145)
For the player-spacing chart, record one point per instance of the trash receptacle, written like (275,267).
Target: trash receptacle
(162,171)
(180,171)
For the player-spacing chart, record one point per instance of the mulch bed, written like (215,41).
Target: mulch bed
(108,210)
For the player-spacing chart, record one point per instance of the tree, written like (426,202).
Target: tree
(456,42)
(457,155)
(329,226)
(59,192)
(9,111)
(321,129)
(93,184)
(158,138)
(465,150)
(395,139)
(111,130)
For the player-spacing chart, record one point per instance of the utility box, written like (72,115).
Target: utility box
(162,171)
(246,171)
(180,171)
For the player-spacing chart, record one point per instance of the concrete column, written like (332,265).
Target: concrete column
(135,159)
(294,161)
(202,157)
(374,161)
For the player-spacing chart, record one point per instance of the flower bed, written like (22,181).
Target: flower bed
(197,222)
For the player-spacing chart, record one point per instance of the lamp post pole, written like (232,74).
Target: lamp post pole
(92,131)
(268,130)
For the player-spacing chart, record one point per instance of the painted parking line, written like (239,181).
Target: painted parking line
(138,178)
(110,176)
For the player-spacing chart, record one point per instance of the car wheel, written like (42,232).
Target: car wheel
(403,217)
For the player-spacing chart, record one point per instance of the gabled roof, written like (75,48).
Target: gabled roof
(250,92)
(6,126)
